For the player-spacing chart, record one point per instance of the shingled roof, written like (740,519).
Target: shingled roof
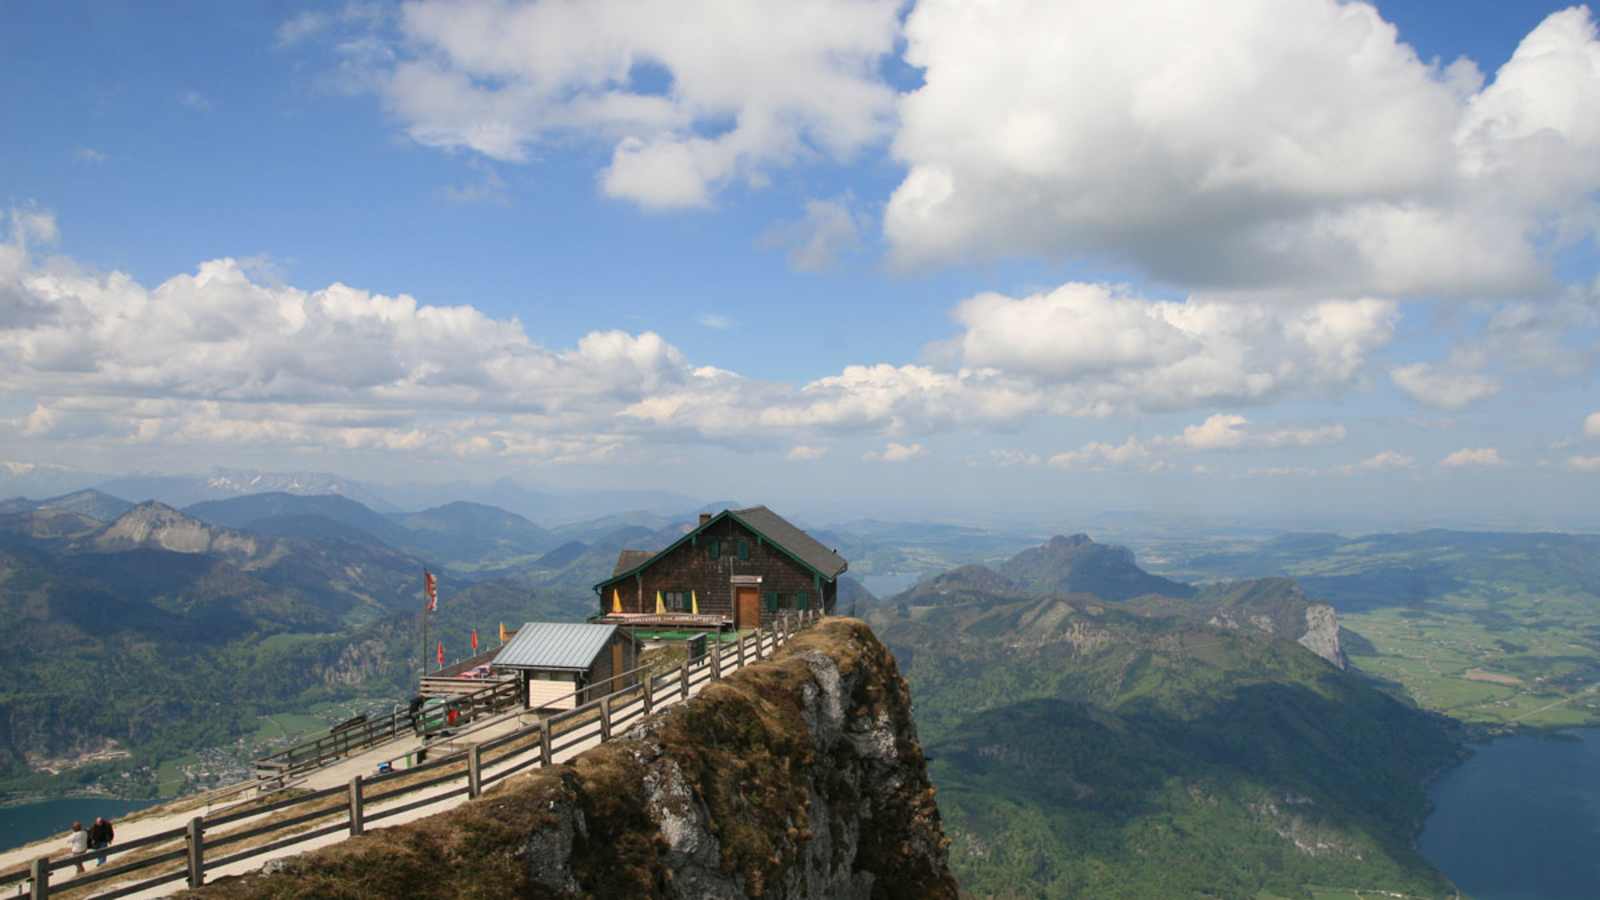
(780,531)
(628,560)
(775,529)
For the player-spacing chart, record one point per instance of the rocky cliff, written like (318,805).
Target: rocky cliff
(797,777)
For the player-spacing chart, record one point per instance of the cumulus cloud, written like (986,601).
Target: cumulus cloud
(1591,425)
(691,96)
(1265,144)
(1227,432)
(830,229)
(1442,389)
(1384,461)
(895,452)
(1098,455)
(1470,456)
(803,453)
(1116,350)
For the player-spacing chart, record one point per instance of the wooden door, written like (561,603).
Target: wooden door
(747,603)
(616,683)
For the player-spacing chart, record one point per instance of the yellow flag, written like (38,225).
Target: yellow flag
(694,603)
(661,609)
(616,600)
(502,632)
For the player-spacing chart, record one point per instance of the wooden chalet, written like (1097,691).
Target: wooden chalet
(735,569)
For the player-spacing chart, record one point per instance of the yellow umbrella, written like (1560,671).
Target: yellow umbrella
(616,600)
(694,603)
(660,608)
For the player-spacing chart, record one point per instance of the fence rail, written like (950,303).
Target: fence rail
(472,770)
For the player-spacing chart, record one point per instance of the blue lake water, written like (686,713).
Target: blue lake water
(32,821)
(1520,820)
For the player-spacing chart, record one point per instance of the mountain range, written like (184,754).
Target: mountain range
(1099,731)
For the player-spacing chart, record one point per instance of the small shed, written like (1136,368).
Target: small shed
(562,665)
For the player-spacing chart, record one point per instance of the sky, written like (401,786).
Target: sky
(1256,258)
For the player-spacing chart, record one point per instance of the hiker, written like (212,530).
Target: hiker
(78,842)
(100,835)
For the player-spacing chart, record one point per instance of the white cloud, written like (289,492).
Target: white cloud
(1443,390)
(1229,432)
(803,453)
(1284,472)
(715,321)
(894,452)
(1591,425)
(1584,463)
(1116,351)
(830,229)
(89,155)
(311,23)
(691,95)
(1098,455)
(1384,461)
(1470,456)
(1261,144)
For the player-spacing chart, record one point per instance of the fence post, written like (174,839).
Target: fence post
(716,661)
(683,680)
(197,852)
(41,878)
(649,692)
(544,744)
(357,812)
(605,719)
(474,770)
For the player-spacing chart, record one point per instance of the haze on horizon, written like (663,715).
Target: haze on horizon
(1273,259)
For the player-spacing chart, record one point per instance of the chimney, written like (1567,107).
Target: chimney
(704,518)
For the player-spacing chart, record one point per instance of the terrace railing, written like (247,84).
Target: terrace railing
(229,837)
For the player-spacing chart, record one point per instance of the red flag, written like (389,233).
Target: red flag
(430,586)
(441,654)
(474,640)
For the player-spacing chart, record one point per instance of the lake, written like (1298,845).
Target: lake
(32,821)
(1520,820)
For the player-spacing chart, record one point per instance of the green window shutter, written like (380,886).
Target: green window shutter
(802,600)
(744,549)
(714,548)
(771,601)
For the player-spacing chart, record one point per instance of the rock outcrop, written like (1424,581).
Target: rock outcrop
(797,777)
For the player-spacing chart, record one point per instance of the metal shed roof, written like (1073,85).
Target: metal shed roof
(555,645)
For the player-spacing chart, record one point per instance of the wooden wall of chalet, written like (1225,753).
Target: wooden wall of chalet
(690,567)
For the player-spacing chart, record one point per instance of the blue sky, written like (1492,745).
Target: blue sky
(919,258)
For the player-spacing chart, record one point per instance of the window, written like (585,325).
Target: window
(714,548)
(675,601)
(772,599)
(744,549)
(802,600)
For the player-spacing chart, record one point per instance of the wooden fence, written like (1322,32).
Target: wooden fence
(186,854)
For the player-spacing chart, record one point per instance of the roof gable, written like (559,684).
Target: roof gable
(766,524)
(797,543)
(630,559)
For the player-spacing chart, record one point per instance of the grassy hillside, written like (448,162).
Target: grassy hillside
(1090,749)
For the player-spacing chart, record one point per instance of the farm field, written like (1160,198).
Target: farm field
(1496,630)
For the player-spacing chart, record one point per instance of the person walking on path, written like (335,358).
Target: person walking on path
(100,835)
(78,842)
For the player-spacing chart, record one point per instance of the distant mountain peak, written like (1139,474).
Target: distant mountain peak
(1077,540)
(1078,565)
